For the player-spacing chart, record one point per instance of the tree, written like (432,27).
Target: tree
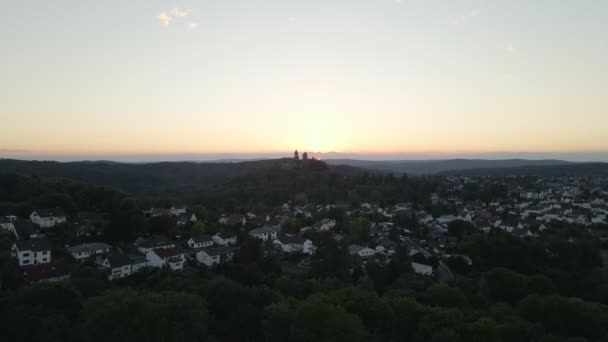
(357,230)
(444,296)
(316,321)
(126,315)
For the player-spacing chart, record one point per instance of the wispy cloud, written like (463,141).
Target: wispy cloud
(180,12)
(193,25)
(474,13)
(164,19)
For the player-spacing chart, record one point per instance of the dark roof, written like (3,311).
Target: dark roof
(23,228)
(152,242)
(118,260)
(137,259)
(85,217)
(35,245)
(87,247)
(56,212)
(45,271)
(224,236)
(265,229)
(167,252)
(185,216)
(5,219)
(202,238)
(213,251)
(295,240)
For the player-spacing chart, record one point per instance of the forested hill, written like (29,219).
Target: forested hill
(422,167)
(153,178)
(574,170)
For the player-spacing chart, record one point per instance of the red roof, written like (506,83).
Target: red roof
(40,272)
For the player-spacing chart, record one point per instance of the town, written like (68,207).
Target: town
(372,231)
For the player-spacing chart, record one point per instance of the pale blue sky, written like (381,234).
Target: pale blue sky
(88,77)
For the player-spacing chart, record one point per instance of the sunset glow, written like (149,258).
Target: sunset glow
(356,76)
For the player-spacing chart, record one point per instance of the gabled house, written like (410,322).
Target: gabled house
(200,241)
(144,245)
(215,256)
(295,244)
(24,230)
(265,233)
(86,250)
(361,251)
(224,239)
(31,252)
(422,269)
(119,266)
(172,257)
(47,218)
(178,210)
(186,218)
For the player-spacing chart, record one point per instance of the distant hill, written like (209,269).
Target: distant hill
(575,170)
(151,178)
(422,167)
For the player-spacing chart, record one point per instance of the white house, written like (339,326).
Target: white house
(47,218)
(86,250)
(265,233)
(31,252)
(174,258)
(361,251)
(119,266)
(7,224)
(186,218)
(224,239)
(144,245)
(200,241)
(176,211)
(422,269)
(295,244)
(215,256)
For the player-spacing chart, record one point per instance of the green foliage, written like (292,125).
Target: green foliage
(127,315)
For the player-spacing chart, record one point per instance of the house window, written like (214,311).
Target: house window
(44,259)
(25,262)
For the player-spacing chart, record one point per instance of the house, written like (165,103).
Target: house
(225,239)
(47,218)
(324,225)
(179,210)
(186,218)
(160,212)
(200,241)
(295,244)
(31,252)
(235,219)
(265,233)
(172,257)
(24,230)
(144,245)
(138,262)
(86,250)
(119,266)
(422,269)
(49,272)
(87,223)
(215,256)
(361,251)
(6,223)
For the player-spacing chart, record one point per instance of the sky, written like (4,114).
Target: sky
(170,79)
